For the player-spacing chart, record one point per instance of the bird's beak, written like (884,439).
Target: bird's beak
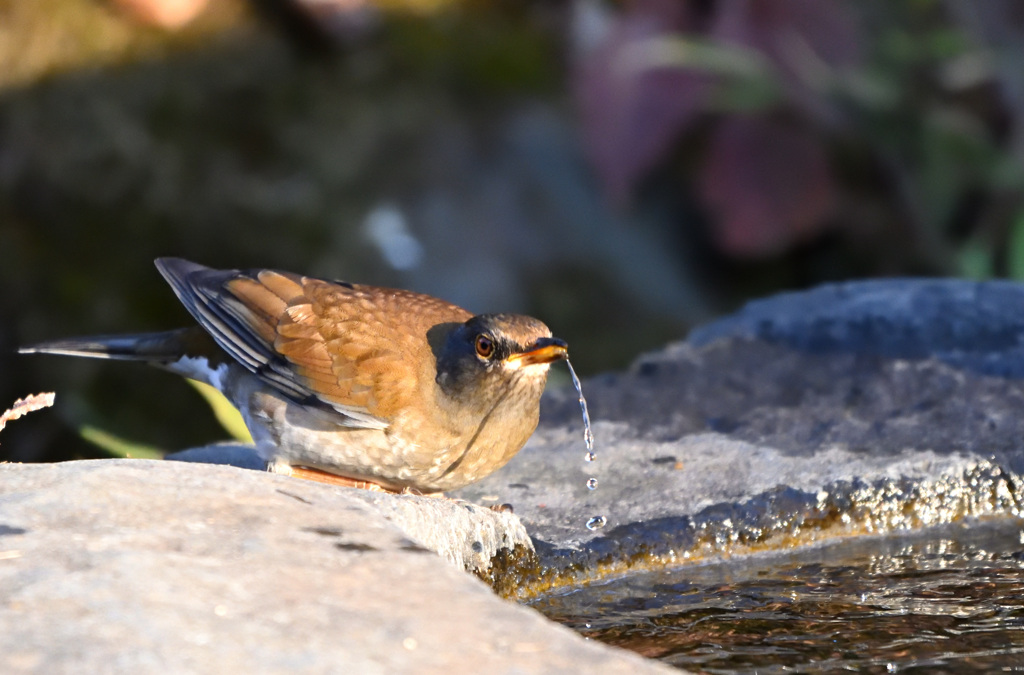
(545,350)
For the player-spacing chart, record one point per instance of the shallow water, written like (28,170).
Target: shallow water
(940,601)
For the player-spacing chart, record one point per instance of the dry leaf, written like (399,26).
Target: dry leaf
(23,406)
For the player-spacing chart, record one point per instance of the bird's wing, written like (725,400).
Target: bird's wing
(316,341)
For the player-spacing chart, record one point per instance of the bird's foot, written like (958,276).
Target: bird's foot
(334,479)
(321,476)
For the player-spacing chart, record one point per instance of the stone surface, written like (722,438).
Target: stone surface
(857,409)
(141,566)
(971,325)
(467,534)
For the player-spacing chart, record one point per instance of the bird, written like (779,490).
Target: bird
(356,385)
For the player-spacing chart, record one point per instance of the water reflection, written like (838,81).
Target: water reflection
(943,601)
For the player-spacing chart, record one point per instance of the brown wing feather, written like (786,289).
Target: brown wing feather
(259,307)
(342,342)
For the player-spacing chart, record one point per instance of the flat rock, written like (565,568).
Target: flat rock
(142,566)
(871,408)
(467,534)
(859,408)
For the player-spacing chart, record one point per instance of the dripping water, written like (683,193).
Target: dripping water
(588,435)
(596,522)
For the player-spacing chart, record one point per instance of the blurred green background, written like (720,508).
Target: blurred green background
(622,170)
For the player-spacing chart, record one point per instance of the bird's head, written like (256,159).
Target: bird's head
(494,356)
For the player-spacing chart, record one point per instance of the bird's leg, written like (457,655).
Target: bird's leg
(334,479)
(319,476)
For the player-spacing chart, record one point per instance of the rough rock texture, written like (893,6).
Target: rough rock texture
(123,566)
(971,325)
(862,407)
(852,409)
(855,408)
(467,534)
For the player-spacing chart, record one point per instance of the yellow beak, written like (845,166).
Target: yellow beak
(546,350)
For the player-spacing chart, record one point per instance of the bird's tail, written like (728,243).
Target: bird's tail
(188,351)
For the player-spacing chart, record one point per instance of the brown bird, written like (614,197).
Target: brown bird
(351,384)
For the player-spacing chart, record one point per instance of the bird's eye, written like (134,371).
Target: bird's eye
(484,346)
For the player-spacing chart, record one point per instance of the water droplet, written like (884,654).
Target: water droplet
(590,457)
(588,434)
(596,523)
(591,483)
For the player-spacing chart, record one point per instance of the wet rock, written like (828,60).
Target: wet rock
(860,408)
(853,409)
(133,565)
